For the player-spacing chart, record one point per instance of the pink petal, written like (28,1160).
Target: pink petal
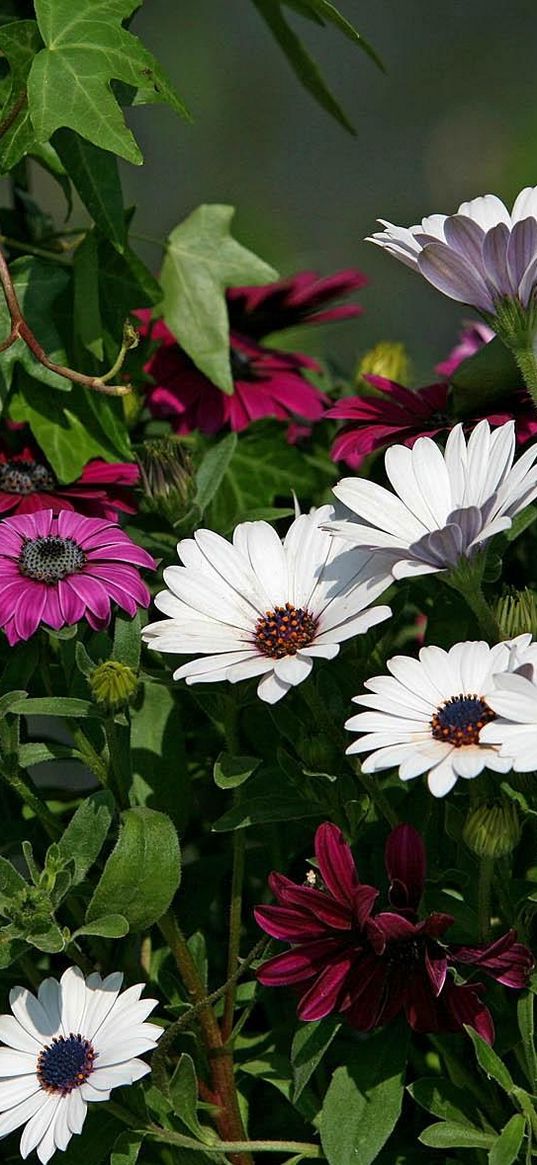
(405,861)
(336,863)
(322,996)
(291,926)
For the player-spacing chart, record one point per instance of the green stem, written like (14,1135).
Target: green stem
(304,1148)
(527,362)
(28,248)
(484,888)
(88,752)
(468,584)
(379,799)
(526,1023)
(235,912)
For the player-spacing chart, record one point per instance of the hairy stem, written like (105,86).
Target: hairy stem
(300,1148)
(527,362)
(484,888)
(235,910)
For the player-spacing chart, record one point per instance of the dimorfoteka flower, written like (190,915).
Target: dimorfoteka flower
(71,1045)
(262,608)
(59,570)
(395,413)
(473,336)
(369,967)
(429,714)
(446,505)
(514,700)
(482,255)
(28,483)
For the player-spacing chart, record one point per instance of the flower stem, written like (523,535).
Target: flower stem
(527,362)
(300,1148)
(468,583)
(235,910)
(484,887)
(229,1120)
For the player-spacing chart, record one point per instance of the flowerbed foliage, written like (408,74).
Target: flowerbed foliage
(268,715)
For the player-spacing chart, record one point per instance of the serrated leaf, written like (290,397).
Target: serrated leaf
(86,833)
(95,176)
(507,1147)
(19,42)
(364,1099)
(449,1135)
(40,287)
(202,260)
(69,82)
(109,926)
(231,771)
(143,871)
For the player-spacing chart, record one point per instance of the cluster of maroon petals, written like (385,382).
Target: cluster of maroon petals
(298,299)
(27,483)
(368,966)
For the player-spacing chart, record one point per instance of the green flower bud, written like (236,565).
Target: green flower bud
(31,909)
(388,359)
(133,407)
(112,684)
(166,477)
(516,613)
(492,829)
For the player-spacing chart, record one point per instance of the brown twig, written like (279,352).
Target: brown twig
(21,330)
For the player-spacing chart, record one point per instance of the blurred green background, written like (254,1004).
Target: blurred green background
(454,116)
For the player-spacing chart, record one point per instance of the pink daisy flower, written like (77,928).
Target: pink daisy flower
(59,570)
(27,484)
(473,336)
(400,414)
(298,299)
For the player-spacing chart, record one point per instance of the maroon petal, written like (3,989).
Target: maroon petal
(388,927)
(436,967)
(463,1005)
(336,863)
(313,901)
(405,860)
(365,994)
(435,924)
(421,1007)
(322,996)
(300,963)
(363,901)
(289,925)
(506,960)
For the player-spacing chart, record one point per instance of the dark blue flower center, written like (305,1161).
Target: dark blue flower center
(65,1064)
(284,631)
(460,720)
(51,558)
(25,477)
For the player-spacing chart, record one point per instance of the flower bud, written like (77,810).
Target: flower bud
(166,477)
(492,829)
(516,613)
(388,359)
(112,684)
(133,406)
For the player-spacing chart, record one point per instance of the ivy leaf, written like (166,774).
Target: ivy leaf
(95,176)
(19,42)
(40,288)
(202,260)
(86,47)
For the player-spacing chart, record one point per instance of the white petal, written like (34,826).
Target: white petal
(73,1000)
(76,1111)
(454,276)
(13,1063)
(16,1036)
(13,1092)
(31,1015)
(292,669)
(487,210)
(17,1116)
(271,689)
(100,1000)
(38,1124)
(267,560)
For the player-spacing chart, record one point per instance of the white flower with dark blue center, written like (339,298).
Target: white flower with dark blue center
(514,700)
(260,607)
(71,1045)
(430,714)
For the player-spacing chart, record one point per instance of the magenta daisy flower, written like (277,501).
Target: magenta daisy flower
(268,383)
(27,484)
(473,336)
(298,299)
(59,570)
(369,967)
(399,414)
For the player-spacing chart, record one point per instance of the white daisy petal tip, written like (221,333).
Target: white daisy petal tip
(263,607)
(55,1045)
(432,715)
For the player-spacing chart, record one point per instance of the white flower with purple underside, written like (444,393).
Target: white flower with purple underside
(260,607)
(432,714)
(514,701)
(481,256)
(445,505)
(71,1045)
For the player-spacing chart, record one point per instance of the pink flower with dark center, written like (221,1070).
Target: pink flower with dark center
(268,383)
(400,414)
(473,336)
(59,570)
(368,966)
(299,299)
(27,484)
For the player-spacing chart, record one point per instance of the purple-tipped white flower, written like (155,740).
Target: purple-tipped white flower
(481,256)
(445,506)
(514,702)
(71,1045)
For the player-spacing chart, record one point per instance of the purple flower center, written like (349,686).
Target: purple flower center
(65,1064)
(25,477)
(460,720)
(284,631)
(50,559)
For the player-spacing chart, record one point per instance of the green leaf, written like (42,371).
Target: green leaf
(10,698)
(490,1062)
(143,871)
(260,471)
(56,706)
(109,926)
(40,287)
(268,797)
(304,67)
(87,831)
(127,1148)
(443,1099)
(323,10)
(212,469)
(183,1093)
(484,378)
(19,42)
(45,155)
(310,1042)
(202,260)
(69,81)
(88,324)
(95,176)
(231,771)
(449,1135)
(158,753)
(11,882)
(125,283)
(507,1147)
(364,1099)
(127,640)
(51,941)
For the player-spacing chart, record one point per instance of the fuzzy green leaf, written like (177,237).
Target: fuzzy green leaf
(310,1042)
(490,1062)
(507,1147)
(143,871)
(231,771)
(109,926)
(449,1135)
(212,470)
(202,260)
(86,833)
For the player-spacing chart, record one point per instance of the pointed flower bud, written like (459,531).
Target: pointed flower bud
(167,477)
(388,359)
(516,613)
(112,684)
(492,829)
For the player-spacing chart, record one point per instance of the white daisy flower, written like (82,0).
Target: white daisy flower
(446,505)
(258,607)
(480,256)
(429,715)
(72,1044)
(514,701)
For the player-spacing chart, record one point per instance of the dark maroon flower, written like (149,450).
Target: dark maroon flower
(370,966)
(473,336)
(299,299)
(268,383)
(28,484)
(400,414)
